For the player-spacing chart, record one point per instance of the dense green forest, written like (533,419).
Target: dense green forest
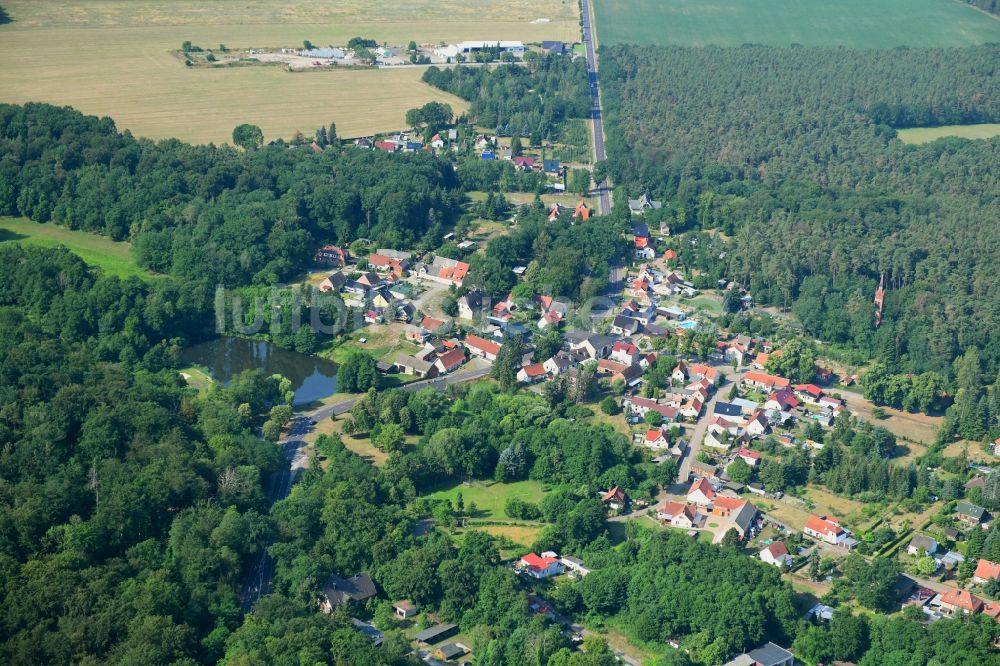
(217,213)
(129,508)
(528,101)
(791,153)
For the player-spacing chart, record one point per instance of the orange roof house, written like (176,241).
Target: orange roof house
(962,600)
(582,212)
(986,570)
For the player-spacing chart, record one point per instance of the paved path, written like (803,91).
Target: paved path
(603,187)
(700,428)
(278,487)
(258,582)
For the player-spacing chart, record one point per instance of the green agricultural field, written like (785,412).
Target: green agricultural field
(928,134)
(117,58)
(490,497)
(111,257)
(850,23)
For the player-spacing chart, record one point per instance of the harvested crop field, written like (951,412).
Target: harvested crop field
(117,59)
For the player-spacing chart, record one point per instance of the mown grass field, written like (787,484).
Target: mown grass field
(111,257)
(490,497)
(115,58)
(850,23)
(928,134)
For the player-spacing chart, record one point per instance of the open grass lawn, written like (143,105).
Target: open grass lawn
(111,257)
(928,134)
(196,377)
(919,428)
(490,496)
(706,303)
(850,23)
(523,535)
(830,504)
(115,58)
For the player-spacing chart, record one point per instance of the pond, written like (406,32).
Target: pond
(312,378)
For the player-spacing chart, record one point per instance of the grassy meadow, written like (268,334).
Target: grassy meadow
(490,497)
(850,23)
(114,58)
(111,257)
(928,134)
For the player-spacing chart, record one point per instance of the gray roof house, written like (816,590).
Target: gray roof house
(922,543)
(338,591)
(768,654)
(642,204)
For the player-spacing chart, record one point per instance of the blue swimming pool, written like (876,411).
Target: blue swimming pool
(688,325)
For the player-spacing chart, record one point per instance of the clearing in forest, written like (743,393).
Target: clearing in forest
(850,23)
(100,251)
(928,134)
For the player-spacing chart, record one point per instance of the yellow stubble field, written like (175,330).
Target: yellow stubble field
(117,58)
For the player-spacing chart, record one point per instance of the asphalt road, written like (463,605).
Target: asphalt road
(258,582)
(279,485)
(603,188)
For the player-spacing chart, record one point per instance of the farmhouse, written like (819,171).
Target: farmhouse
(411,365)
(445,271)
(614,498)
(749,456)
(331,254)
(482,348)
(679,514)
(450,360)
(764,381)
(825,529)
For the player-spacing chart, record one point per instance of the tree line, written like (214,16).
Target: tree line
(528,101)
(215,213)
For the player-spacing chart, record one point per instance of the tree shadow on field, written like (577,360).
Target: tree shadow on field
(5,17)
(8,235)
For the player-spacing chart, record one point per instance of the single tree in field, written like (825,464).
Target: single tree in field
(248,137)
(307,45)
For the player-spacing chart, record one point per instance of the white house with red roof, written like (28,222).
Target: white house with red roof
(624,352)
(766,382)
(450,360)
(485,349)
(530,374)
(782,401)
(656,439)
(749,456)
(639,406)
(960,601)
(445,271)
(776,554)
(757,424)
(825,529)
(614,498)
(679,514)
(701,492)
(809,393)
(538,566)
